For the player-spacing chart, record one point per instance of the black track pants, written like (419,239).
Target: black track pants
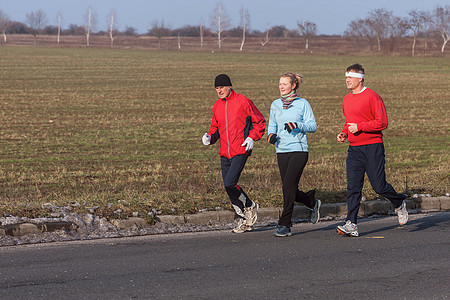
(231,171)
(291,167)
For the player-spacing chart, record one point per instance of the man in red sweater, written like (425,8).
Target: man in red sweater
(366,117)
(237,123)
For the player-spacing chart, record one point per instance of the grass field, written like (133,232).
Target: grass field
(121,129)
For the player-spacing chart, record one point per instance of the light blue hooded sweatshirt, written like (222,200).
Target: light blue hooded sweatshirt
(299,112)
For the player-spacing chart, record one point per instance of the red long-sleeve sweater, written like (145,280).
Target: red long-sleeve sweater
(367,110)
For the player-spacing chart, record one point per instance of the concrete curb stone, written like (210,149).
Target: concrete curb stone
(375,207)
(334,210)
(300,212)
(170,219)
(30,228)
(273,212)
(434,203)
(133,221)
(445,203)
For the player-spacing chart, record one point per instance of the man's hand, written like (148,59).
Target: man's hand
(248,144)
(352,127)
(206,139)
(341,137)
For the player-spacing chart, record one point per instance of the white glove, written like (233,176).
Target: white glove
(249,143)
(206,139)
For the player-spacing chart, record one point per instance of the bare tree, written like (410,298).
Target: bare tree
(201,29)
(379,21)
(36,21)
(4,24)
(112,26)
(59,17)
(427,27)
(245,21)
(307,29)
(360,30)
(416,20)
(219,22)
(159,30)
(266,38)
(442,22)
(90,25)
(397,28)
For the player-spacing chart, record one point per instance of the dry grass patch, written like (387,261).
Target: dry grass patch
(121,129)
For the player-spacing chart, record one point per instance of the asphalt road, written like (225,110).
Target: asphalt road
(386,262)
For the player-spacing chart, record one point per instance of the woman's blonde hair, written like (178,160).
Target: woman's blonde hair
(294,77)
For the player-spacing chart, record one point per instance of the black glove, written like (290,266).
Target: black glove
(290,126)
(272,138)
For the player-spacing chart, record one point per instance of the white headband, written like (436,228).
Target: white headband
(353,74)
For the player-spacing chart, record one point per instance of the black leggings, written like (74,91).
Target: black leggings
(291,167)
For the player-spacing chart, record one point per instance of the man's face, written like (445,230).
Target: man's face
(352,82)
(223,91)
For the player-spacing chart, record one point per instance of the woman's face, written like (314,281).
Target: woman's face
(285,86)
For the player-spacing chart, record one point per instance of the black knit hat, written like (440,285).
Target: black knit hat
(222,80)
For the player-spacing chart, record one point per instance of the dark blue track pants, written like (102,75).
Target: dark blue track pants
(367,159)
(231,171)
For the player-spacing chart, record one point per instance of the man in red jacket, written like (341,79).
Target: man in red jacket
(238,124)
(366,117)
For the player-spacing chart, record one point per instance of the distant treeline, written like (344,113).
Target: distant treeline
(381,29)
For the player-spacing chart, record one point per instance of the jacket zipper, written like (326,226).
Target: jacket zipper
(226,123)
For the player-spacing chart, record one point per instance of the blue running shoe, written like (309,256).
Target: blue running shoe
(282,231)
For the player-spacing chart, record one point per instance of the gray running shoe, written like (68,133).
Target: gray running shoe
(402,213)
(242,227)
(315,212)
(348,228)
(251,214)
(282,231)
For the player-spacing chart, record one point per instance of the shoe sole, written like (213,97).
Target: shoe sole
(341,232)
(248,228)
(283,235)
(318,211)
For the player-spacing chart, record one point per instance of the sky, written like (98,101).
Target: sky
(330,16)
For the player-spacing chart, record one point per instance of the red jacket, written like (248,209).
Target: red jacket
(367,110)
(234,119)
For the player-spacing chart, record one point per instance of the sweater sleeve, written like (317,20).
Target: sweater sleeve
(309,122)
(345,130)
(272,127)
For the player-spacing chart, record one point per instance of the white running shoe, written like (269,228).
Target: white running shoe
(348,228)
(251,214)
(242,227)
(402,213)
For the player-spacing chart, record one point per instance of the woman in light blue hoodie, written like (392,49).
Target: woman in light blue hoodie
(291,117)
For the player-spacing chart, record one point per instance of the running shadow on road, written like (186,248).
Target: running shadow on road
(439,221)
